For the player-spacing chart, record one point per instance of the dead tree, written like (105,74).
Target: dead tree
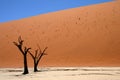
(37,57)
(24,52)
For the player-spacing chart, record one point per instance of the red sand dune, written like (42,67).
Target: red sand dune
(85,36)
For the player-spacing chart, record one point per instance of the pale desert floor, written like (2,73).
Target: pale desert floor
(62,73)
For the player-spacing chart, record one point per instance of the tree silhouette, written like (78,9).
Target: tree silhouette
(24,52)
(37,57)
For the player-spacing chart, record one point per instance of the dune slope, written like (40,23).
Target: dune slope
(84,36)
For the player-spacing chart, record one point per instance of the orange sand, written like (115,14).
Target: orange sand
(85,36)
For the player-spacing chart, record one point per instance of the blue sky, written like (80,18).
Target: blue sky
(17,9)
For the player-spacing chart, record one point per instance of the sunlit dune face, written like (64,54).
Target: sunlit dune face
(85,36)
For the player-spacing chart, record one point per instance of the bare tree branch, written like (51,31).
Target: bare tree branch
(37,57)
(41,54)
(27,50)
(39,48)
(24,52)
(15,43)
(31,54)
(20,40)
(44,50)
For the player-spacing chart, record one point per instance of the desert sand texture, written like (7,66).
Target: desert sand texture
(63,73)
(83,36)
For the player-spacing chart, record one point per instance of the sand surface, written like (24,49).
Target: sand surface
(83,36)
(63,73)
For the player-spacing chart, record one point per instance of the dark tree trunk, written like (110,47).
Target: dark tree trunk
(35,66)
(25,64)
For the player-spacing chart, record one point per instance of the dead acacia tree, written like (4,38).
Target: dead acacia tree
(37,57)
(24,52)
